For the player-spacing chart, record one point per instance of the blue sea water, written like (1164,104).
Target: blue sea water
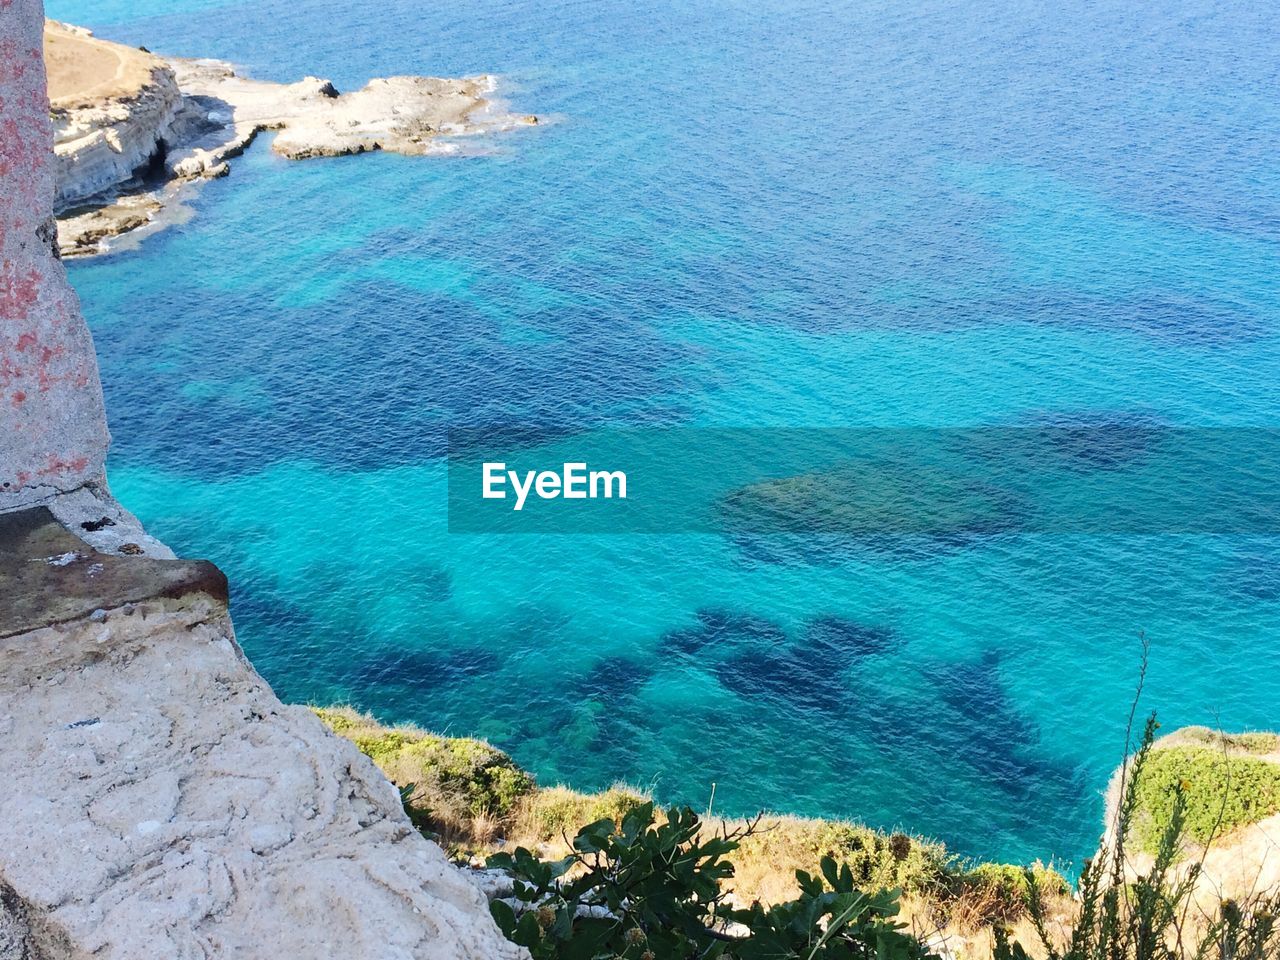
(734,214)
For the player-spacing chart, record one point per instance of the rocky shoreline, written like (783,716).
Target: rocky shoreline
(133,130)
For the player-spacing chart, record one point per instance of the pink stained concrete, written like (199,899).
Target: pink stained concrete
(53,432)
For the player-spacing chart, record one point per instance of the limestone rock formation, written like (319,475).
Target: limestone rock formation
(400,114)
(112,108)
(130,128)
(161,802)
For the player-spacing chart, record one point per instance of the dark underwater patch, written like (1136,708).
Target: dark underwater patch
(269,627)
(1076,440)
(1253,575)
(1199,321)
(367,380)
(721,628)
(432,584)
(418,670)
(809,672)
(612,680)
(915,500)
(841,633)
(982,727)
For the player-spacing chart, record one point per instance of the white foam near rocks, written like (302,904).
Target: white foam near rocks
(191,116)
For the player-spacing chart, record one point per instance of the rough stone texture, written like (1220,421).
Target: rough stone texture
(103,524)
(158,801)
(48,576)
(105,131)
(53,433)
(401,114)
(161,802)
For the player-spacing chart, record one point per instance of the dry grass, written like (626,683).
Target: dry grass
(476,801)
(84,71)
(464,790)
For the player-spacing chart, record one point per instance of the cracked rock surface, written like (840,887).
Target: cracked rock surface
(160,801)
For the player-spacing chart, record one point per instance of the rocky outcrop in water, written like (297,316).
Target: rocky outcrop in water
(107,128)
(132,128)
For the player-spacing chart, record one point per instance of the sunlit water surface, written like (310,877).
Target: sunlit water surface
(733,214)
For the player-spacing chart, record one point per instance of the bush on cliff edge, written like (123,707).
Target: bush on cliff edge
(474,798)
(1222,791)
(455,785)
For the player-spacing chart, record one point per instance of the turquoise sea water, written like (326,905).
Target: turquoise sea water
(736,214)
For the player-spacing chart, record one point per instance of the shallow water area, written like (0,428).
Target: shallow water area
(797,215)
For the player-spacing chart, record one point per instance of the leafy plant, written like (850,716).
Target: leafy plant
(1221,792)
(999,893)
(840,923)
(650,889)
(460,784)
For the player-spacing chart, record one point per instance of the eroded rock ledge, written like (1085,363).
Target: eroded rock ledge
(131,128)
(161,802)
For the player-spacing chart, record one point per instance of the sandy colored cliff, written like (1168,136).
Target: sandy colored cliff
(131,128)
(85,71)
(112,108)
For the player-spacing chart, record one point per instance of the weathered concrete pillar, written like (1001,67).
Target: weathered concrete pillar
(53,431)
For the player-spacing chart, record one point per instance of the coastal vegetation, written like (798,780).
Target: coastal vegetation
(1128,912)
(611,874)
(462,787)
(1219,790)
(475,800)
(651,887)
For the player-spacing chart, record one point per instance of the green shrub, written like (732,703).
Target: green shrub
(996,893)
(876,860)
(651,889)
(1125,914)
(1248,742)
(1222,791)
(554,812)
(1014,881)
(338,719)
(1255,742)
(456,780)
